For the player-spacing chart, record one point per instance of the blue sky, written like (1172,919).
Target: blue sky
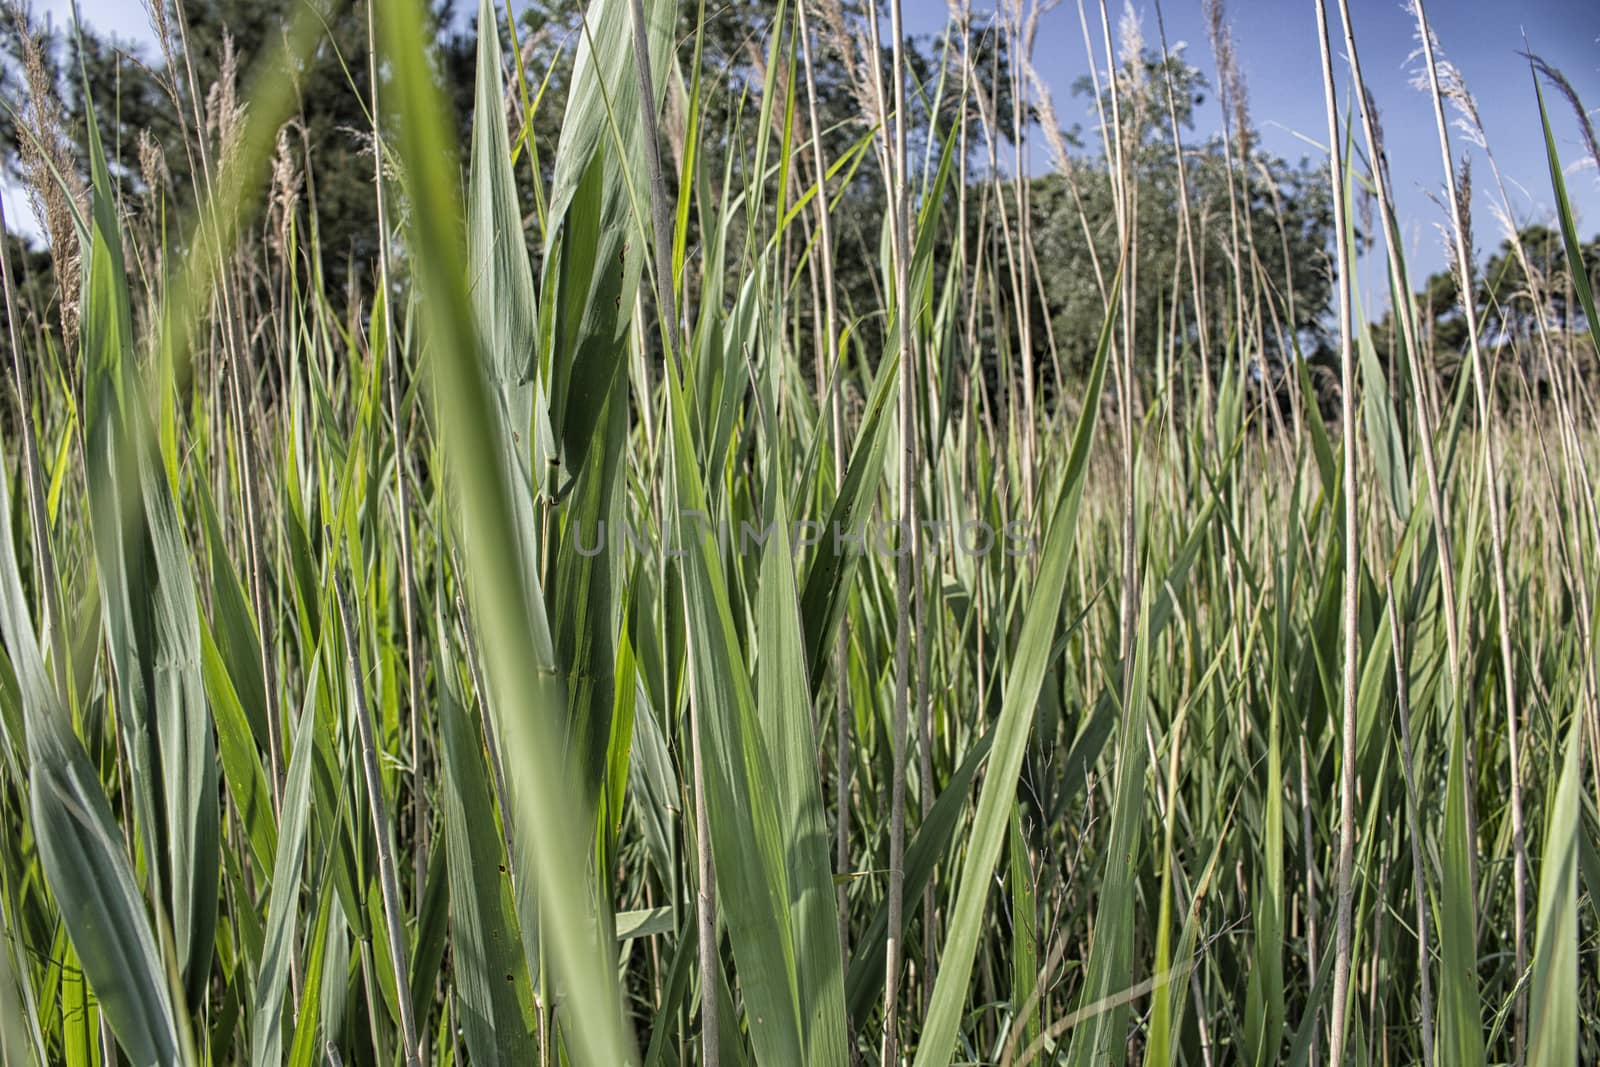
(1277,47)
(1276,42)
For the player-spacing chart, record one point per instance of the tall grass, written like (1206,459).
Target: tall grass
(527,667)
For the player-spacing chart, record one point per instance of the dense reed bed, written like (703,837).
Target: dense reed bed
(604,640)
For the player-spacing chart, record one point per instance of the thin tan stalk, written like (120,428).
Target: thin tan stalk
(1352,567)
(1575,470)
(1497,536)
(1311,877)
(666,309)
(961,18)
(1124,201)
(1566,394)
(830,329)
(382,832)
(1186,225)
(1419,890)
(1050,126)
(408,602)
(1021,45)
(1228,81)
(988,118)
(905,575)
(1427,419)
(491,742)
(236,356)
(57,639)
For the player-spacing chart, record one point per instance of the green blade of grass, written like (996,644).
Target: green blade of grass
(486,957)
(149,605)
(1102,1003)
(785,716)
(80,845)
(751,857)
(1460,1004)
(1023,682)
(1569,230)
(283,907)
(501,277)
(594,260)
(527,700)
(1553,995)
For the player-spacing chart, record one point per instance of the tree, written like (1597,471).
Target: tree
(152,117)
(1529,315)
(1285,228)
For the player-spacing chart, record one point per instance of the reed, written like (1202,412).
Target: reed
(522,662)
